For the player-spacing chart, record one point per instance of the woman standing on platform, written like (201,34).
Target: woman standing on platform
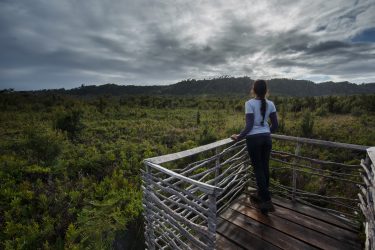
(257,132)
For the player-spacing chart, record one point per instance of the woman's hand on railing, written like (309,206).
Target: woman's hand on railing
(234,137)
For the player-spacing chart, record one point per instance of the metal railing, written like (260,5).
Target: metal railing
(184,192)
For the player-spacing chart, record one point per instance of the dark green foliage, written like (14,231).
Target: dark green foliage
(282,114)
(307,124)
(41,148)
(115,205)
(239,108)
(101,105)
(356,111)
(207,135)
(69,122)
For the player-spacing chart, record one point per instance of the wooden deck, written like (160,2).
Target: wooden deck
(291,226)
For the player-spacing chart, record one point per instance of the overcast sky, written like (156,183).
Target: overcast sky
(66,43)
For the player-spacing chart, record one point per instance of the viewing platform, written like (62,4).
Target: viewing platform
(291,226)
(323,193)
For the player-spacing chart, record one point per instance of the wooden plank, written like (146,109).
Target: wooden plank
(224,244)
(311,212)
(294,230)
(265,232)
(309,222)
(245,239)
(315,213)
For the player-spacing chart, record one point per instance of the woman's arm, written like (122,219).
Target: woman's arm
(274,122)
(248,127)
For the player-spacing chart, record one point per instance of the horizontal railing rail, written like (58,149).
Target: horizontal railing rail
(189,152)
(186,153)
(185,191)
(321,142)
(204,187)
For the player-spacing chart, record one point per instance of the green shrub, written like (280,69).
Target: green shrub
(356,111)
(207,135)
(117,204)
(307,124)
(42,147)
(70,122)
(322,110)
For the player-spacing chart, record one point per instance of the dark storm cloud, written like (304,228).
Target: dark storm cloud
(289,42)
(328,46)
(334,58)
(53,44)
(109,44)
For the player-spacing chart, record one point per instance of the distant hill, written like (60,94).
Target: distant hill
(227,86)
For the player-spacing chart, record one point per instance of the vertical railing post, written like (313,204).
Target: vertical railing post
(217,165)
(212,220)
(149,231)
(370,223)
(294,180)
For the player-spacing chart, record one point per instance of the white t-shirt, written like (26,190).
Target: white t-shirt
(253,106)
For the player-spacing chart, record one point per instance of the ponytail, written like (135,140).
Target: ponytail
(263,109)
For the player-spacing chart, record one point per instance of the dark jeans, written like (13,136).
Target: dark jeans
(259,148)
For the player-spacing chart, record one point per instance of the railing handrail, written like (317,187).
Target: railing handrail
(371,154)
(207,188)
(321,142)
(182,154)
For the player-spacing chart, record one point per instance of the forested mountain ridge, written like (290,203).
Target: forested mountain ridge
(226,86)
